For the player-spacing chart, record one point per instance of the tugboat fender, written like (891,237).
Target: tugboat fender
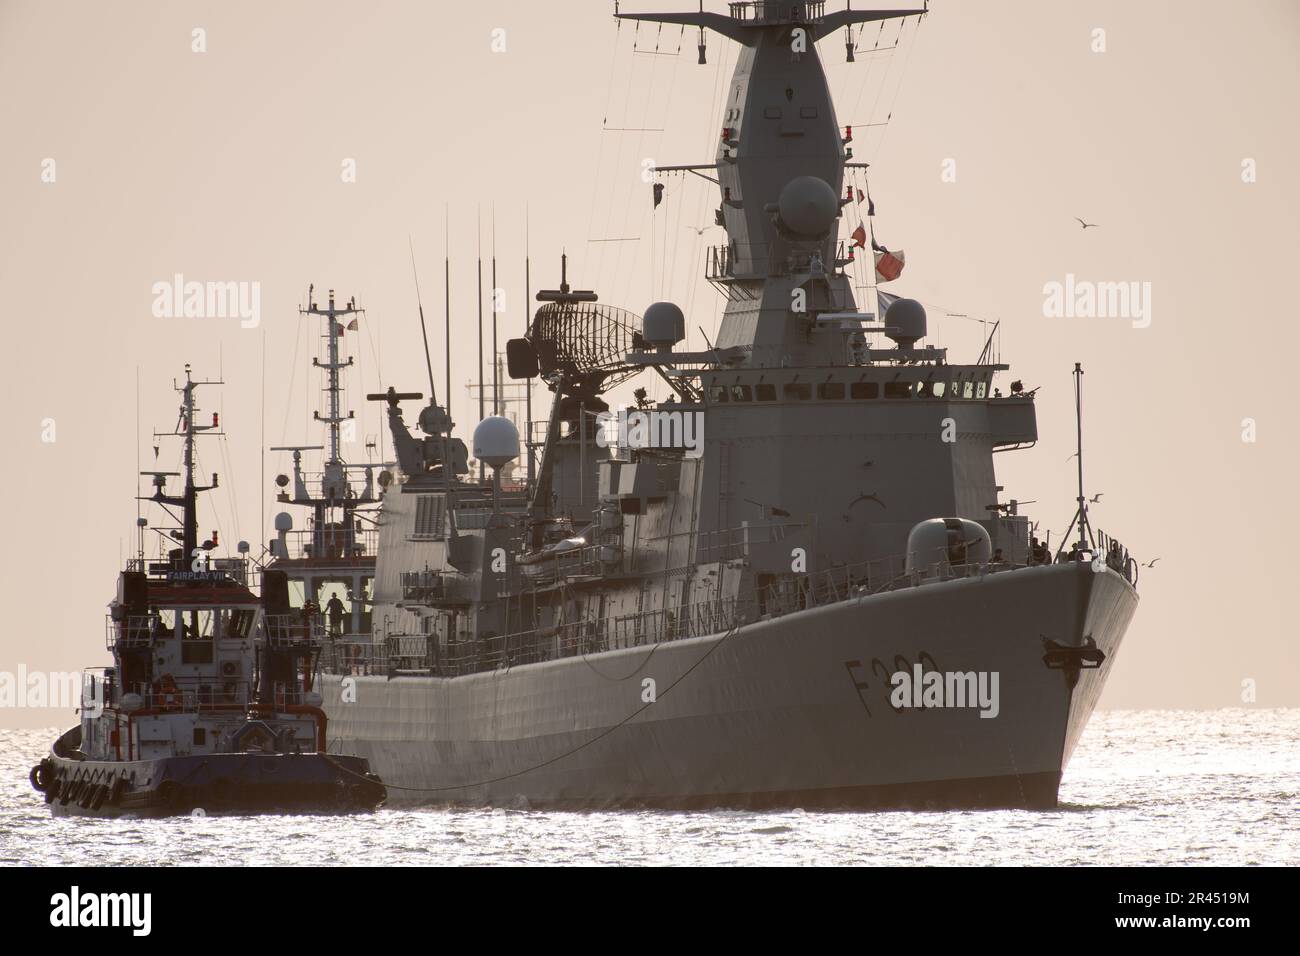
(41,776)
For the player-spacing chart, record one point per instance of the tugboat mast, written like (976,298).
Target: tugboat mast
(187,501)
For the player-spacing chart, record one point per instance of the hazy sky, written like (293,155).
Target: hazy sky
(230,165)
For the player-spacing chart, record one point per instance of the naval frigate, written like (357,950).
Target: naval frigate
(792,583)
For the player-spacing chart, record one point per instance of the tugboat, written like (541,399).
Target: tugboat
(208,706)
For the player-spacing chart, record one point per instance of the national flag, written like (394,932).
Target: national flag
(861,195)
(340,327)
(889,265)
(860,236)
(353,326)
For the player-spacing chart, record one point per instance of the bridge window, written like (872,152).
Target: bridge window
(830,391)
(718,394)
(938,388)
(235,624)
(765,392)
(864,390)
(981,389)
(968,390)
(898,390)
(796,391)
(740,393)
(922,389)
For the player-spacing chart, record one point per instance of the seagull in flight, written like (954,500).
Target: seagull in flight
(1151,563)
(1095,499)
(1085,225)
(698,231)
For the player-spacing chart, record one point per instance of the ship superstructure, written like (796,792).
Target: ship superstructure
(716,607)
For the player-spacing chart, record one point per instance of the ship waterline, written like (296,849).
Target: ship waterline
(791,712)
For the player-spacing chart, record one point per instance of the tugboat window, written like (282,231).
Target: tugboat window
(981,389)
(196,637)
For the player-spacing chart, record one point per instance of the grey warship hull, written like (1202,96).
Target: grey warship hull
(791,712)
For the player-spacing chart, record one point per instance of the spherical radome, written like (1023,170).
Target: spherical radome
(663,324)
(496,441)
(808,206)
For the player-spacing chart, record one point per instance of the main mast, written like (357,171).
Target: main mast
(779,167)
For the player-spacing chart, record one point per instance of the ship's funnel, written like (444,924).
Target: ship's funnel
(807,207)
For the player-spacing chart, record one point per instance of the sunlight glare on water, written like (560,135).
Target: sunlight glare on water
(1144,788)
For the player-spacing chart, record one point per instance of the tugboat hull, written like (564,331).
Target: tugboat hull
(219,784)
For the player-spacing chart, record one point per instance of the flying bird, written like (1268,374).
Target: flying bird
(698,231)
(1085,225)
(1097,497)
(1151,563)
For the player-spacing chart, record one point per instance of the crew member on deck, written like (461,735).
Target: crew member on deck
(334,610)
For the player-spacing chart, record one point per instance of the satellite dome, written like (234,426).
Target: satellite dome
(284,521)
(807,206)
(663,324)
(496,441)
(905,322)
